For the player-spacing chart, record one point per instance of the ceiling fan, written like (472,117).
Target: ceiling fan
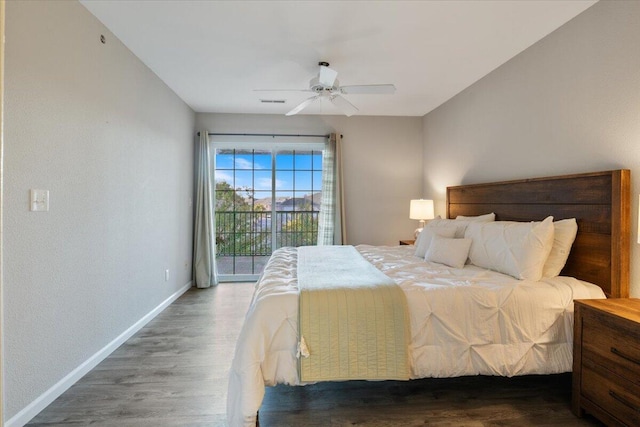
(327,86)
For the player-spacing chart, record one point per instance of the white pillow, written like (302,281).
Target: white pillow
(518,249)
(480,218)
(418,238)
(451,252)
(426,235)
(564,234)
(460,226)
(460,222)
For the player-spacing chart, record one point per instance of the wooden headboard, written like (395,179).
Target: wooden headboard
(599,201)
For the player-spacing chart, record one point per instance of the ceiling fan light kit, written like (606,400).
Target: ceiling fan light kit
(326,85)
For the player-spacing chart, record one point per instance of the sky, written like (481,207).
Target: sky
(301,172)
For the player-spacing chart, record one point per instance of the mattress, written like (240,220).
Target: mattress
(467,321)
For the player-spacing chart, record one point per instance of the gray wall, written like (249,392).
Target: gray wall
(382,165)
(568,104)
(114,146)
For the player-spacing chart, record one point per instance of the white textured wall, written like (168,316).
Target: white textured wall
(2,7)
(114,146)
(568,104)
(382,165)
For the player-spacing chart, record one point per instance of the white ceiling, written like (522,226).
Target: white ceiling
(213,54)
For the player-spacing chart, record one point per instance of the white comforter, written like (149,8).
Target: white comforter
(466,321)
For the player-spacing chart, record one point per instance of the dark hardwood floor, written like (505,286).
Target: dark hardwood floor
(174,373)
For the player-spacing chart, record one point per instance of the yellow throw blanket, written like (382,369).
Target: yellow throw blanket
(353,319)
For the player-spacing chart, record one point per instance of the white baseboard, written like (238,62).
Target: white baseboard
(45,399)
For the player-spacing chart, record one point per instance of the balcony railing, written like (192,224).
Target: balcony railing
(242,233)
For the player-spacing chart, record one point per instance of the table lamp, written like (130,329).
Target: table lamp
(421,210)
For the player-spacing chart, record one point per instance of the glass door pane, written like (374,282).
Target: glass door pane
(298,192)
(243,202)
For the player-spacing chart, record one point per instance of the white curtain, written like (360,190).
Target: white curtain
(331,224)
(205,272)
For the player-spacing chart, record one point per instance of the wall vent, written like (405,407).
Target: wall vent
(273,101)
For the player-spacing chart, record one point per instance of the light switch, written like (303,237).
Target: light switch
(39,200)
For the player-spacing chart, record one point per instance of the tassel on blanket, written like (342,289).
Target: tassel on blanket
(303,350)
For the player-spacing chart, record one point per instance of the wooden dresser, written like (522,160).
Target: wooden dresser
(606,360)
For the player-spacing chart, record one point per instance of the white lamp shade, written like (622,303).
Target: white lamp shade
(421,209)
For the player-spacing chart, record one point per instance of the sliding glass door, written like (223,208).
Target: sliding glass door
(265,198)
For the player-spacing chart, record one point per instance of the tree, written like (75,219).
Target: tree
(228,199)
(234,220)
(301,229)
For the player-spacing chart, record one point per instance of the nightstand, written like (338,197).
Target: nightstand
(606,360)
(407,242)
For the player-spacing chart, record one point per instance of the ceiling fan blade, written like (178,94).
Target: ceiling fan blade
(347,108)
(368,89)
(282,90)
(304,104)
(327,76)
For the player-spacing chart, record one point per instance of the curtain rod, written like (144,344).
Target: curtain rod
(266,134)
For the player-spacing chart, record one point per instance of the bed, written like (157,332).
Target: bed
(460,321)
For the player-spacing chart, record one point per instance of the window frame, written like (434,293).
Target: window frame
(273,145)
